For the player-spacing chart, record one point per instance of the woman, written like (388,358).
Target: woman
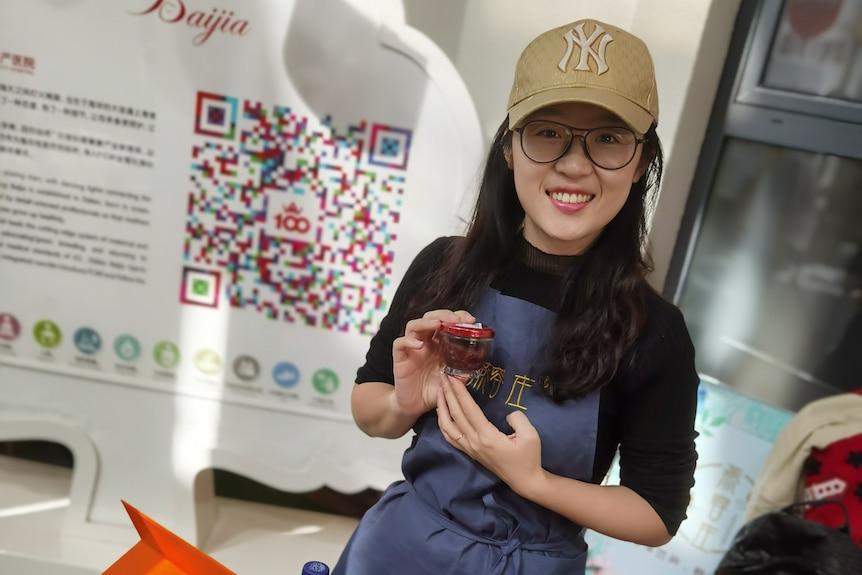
(504,473)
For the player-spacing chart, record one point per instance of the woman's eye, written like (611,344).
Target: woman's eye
(544,130)
(548,133)
(607,138)
(612,137)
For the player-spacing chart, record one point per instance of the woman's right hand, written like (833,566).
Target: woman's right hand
(416,361)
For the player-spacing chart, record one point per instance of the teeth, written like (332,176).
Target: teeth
(571,198)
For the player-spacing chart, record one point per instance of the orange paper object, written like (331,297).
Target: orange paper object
(160,552)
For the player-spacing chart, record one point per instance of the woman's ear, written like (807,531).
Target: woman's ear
(644,164)
(642,168)
(507,153)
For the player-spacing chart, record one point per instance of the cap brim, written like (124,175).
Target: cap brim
(636,117)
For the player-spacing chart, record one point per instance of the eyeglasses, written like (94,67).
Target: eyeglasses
(610,148)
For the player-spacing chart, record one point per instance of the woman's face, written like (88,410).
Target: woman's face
(569,201)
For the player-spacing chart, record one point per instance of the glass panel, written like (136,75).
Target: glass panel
(772,295)
(817,49)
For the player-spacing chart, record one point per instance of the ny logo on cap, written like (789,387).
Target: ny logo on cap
(586,46)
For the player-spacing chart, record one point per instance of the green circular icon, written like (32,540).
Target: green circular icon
(47,334)
(127,347)
(325,381)
(166,354)
(207,361)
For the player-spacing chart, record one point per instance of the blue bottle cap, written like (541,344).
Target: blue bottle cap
(315,568)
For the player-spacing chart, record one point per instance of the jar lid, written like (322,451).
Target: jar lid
(467,329)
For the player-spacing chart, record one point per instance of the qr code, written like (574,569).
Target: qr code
(298,220)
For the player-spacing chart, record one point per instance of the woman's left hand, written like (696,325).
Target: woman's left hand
(515,458)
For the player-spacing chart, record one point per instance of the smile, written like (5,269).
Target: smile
(571,198)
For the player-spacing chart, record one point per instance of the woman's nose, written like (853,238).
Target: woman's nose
(575,160)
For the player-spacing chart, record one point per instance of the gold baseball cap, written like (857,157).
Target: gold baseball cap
(586,61)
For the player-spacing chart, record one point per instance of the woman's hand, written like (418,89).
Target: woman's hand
(514,458)
(416,361)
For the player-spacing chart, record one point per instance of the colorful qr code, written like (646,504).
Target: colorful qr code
(298,220)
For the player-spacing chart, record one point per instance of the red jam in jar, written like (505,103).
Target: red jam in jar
(465,347)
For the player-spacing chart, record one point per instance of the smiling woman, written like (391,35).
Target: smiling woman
(505,472)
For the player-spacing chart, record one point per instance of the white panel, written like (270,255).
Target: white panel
(205,207)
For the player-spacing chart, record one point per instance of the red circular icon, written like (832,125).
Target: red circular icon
(10,327)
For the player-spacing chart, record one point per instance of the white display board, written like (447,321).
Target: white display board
(205,208)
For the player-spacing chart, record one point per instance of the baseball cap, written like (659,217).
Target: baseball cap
(586,61)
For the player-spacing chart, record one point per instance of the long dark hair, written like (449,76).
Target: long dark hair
(598,321)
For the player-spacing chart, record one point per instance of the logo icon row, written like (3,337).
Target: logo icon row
(166,354)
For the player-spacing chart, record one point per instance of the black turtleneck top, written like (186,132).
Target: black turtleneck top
(646,412)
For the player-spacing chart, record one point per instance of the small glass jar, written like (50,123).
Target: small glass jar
(465,348)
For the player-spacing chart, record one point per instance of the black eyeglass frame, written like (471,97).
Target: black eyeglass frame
(570,131)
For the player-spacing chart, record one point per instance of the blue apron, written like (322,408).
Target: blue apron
(451,515)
